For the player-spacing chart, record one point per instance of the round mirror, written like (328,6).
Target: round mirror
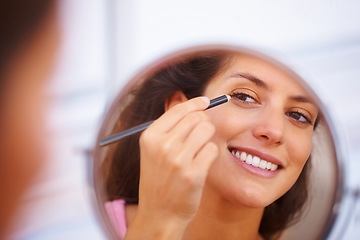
(270,167)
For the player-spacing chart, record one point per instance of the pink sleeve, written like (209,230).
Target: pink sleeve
(116,213)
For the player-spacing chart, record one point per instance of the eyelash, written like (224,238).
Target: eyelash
(293,114)
(301,115)
(240,97)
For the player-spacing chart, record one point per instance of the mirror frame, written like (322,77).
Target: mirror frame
(340,212)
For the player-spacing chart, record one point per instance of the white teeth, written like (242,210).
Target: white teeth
(243,156)
(274,167)
(268,165)
(249,159)
(254,161)
(262,164)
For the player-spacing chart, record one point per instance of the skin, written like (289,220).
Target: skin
(23,145)
(191,186)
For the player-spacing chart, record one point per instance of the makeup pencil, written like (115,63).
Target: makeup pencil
(116,137)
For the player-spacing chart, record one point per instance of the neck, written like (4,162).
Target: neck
(218,218)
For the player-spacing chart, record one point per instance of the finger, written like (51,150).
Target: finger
(197,139)
(170,118)
(177,143)
(185,126)
(204,159)
(171,144)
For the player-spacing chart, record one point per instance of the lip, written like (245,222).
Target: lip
(256,170)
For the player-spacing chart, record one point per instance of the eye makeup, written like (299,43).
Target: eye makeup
(248,98)
(245,98)
(299,117)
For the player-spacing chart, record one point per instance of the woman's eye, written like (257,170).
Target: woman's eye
(299,117)
(244,98)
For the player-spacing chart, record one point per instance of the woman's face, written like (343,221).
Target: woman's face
(268,123)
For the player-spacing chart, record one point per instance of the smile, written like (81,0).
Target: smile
(254,160)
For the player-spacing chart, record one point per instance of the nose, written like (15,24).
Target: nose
(269,127)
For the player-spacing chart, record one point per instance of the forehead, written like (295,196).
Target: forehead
(268,72)
(274,77)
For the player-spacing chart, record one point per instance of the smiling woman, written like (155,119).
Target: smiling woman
(268,135)
(236,171)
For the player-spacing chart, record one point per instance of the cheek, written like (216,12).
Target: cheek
(228,123)
(299,148)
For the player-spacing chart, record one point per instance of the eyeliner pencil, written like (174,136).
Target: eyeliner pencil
(116,137)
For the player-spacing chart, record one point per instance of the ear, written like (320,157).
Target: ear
(175,98)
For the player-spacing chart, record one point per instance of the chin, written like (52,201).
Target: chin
(250,198)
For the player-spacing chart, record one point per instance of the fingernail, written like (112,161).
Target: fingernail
(206,100)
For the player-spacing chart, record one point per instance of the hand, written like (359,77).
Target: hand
(175,156)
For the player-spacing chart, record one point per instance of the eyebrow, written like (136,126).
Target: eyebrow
(251,78)
(262,84)
(301,99)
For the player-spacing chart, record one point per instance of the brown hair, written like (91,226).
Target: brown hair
(191,75)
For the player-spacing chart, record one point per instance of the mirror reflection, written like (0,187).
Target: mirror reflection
(261,166)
